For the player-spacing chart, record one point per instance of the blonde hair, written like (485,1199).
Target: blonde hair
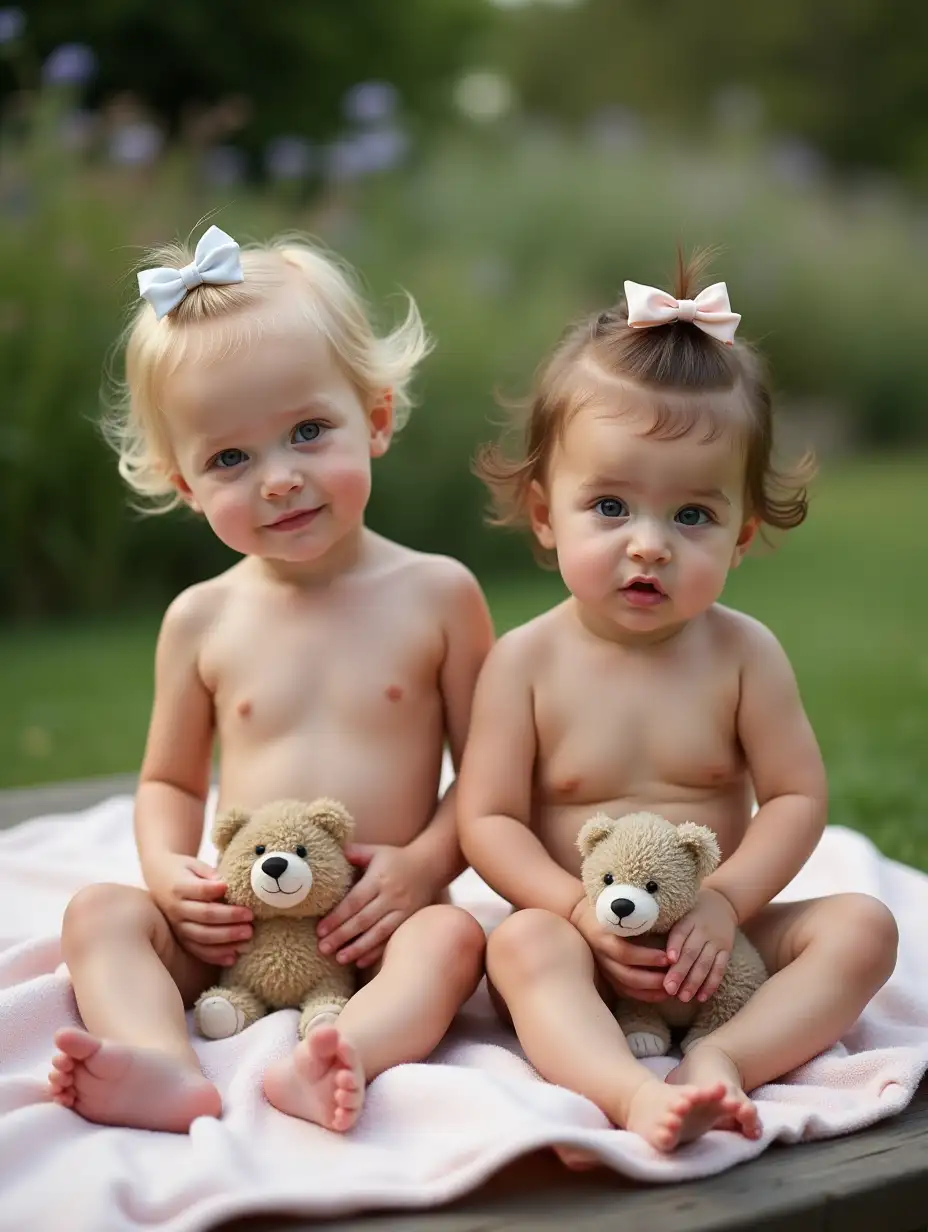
(679,370)
(328,298)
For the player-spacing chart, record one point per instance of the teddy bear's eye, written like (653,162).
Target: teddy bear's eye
(608,879)
(651,887)
(301,851)
(260,849)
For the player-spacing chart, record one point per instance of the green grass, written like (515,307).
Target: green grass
(847,594)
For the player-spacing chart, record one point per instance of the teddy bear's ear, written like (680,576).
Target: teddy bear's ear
(593,832)
(702,843)
(227,825)
(334,818)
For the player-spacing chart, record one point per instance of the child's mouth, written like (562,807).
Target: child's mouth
(641,592)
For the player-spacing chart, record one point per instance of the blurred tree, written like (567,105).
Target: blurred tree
(848,76)
(292,61)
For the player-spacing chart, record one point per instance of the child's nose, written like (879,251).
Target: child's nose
(280,481)
(648,543)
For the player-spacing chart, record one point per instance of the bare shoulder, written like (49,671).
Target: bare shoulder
(744,637)
(195,610)
(439,582)
(522,652)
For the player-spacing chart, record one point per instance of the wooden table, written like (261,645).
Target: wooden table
(872,1181)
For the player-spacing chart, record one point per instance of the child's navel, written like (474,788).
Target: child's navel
(394,693)
(244,707)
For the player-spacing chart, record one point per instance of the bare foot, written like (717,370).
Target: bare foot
(666,1116)
(321,1081)
(705,1063)
(113,1084)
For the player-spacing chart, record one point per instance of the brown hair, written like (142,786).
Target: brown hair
(678,368)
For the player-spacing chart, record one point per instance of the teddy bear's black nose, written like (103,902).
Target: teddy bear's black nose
(620,907)
(276,866)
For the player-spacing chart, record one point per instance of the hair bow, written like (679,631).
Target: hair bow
(215,260)
(710,311)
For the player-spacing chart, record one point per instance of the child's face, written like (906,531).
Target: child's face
(273,445)
(645,529)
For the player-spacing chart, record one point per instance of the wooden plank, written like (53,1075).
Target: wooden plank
(876,1178)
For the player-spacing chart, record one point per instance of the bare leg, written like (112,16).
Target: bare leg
(828,956)
(545,973)
(432,964)
(134,1064)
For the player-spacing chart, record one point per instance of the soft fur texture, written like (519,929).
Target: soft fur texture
(293,851)
(656,869)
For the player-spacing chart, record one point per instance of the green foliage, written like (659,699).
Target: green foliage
(847,77)
(291,61)
(502,242)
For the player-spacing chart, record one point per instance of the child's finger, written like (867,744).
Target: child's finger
(635,977)
(633,955)
(359,923)
(215,913)
(714,978)
(698,972)
(212,934)
(677,938)
(357,898)
(201,869)
(677,974)
(374,939)
(198,889)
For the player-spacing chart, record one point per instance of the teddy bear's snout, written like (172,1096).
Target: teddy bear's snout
(626,909)
(281,879)
(275,866)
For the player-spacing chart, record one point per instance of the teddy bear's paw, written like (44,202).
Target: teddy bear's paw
(646,1044)
(218,1018)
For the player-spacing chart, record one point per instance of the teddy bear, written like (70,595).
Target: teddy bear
(642,873)
(286,862)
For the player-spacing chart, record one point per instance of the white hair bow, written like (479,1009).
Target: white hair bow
(710,310)
(215,260)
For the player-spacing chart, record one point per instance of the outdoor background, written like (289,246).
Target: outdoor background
(510,164)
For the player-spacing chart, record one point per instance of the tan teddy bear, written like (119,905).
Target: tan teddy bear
(642,874)
(286,862)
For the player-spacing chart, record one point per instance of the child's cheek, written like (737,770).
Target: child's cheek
(347,485)
(587,566)
(231,518)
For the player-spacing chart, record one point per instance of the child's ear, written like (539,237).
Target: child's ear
(539,515)
(182,488)
(380,422)
(744,541)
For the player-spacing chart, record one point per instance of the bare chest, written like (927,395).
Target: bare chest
(301,668)
(638,734)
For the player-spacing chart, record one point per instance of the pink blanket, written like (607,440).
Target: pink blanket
(428,1132)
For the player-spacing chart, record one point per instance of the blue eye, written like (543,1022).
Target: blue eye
(227,458)
(693,515)
(308,430)
(610,507)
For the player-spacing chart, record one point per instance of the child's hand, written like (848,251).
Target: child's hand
(393,888)
(700,946)
(189,893)
(634,971)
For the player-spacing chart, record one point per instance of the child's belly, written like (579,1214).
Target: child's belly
(386,774)
(725,810)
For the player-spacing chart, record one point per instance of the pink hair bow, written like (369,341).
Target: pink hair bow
(710,311)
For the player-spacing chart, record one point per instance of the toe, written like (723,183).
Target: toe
(77,1044)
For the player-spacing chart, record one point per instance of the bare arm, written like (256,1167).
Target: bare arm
(175,772)
(495,791)
(468,638)
(789,781)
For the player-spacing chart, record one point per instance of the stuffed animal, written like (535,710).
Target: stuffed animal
(642,874)
(286,861)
